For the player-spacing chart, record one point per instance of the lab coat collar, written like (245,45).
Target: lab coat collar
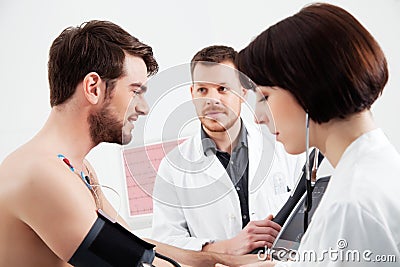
(256,144)
(209,146)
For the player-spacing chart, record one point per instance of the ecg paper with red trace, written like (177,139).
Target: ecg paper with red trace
(141,165)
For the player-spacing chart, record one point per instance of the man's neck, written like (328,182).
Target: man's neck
(227,140)
(67,132)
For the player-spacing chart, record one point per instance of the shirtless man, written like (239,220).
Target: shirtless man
(48,194)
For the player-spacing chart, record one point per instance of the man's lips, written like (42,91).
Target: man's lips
(132,119)
(213,114)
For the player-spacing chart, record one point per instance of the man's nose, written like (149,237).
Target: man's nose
(142,107)
(213,97)
(261,117)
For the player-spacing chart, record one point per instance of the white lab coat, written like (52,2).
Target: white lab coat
(360,209)
(195,202)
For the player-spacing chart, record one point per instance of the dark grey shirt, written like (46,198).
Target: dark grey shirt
(236,165)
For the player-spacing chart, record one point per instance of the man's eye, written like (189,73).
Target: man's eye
(223,89)
(263,98)
(137,92)
(201,90)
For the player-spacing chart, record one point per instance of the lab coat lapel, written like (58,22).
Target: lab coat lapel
(255,142)
(213,169)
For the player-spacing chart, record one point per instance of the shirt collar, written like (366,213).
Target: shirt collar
(209,145)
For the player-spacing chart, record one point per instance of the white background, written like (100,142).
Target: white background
(176,30)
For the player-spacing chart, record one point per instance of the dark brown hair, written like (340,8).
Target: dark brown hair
(213,54)
(324,57)
(94,46)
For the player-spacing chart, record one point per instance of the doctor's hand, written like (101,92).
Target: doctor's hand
(256,234)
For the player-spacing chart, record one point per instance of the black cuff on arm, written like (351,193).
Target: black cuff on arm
(110,244)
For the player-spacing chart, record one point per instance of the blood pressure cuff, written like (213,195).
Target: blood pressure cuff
(110,244)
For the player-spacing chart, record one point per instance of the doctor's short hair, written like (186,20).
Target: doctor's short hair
(94,46)
(324,57)
(213,54)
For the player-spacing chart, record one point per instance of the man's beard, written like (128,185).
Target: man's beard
(104,126)
(216,126)
(212,125)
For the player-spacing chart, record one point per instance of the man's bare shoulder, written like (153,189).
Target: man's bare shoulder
(30,171)
(25,164)
(17,169)
(38,189)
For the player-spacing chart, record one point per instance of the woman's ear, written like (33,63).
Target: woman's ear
(91,88)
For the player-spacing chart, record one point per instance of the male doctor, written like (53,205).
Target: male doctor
(218,190)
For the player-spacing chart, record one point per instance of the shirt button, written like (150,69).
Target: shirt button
(231,162)
(237,188)
(244,217)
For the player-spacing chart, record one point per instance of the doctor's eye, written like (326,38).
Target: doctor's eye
(201,90)
(223,89)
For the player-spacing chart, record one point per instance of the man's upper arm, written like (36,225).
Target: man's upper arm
(57,205)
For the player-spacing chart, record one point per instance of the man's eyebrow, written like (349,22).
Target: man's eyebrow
(142,87)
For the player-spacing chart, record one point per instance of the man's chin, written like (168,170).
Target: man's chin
(122,140)
(215,128)
(213,125)
(126,139)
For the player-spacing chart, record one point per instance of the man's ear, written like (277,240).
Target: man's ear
(244,94)
(191,90)
(91,88)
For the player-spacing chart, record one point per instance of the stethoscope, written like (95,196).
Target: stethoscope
(310,177)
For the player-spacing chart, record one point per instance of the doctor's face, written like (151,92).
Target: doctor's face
(217,95)
(285,118)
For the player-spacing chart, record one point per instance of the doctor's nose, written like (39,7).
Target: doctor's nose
(261,117)
(213,101)
(213,98)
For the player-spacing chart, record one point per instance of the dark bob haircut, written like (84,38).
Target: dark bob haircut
(324,57)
